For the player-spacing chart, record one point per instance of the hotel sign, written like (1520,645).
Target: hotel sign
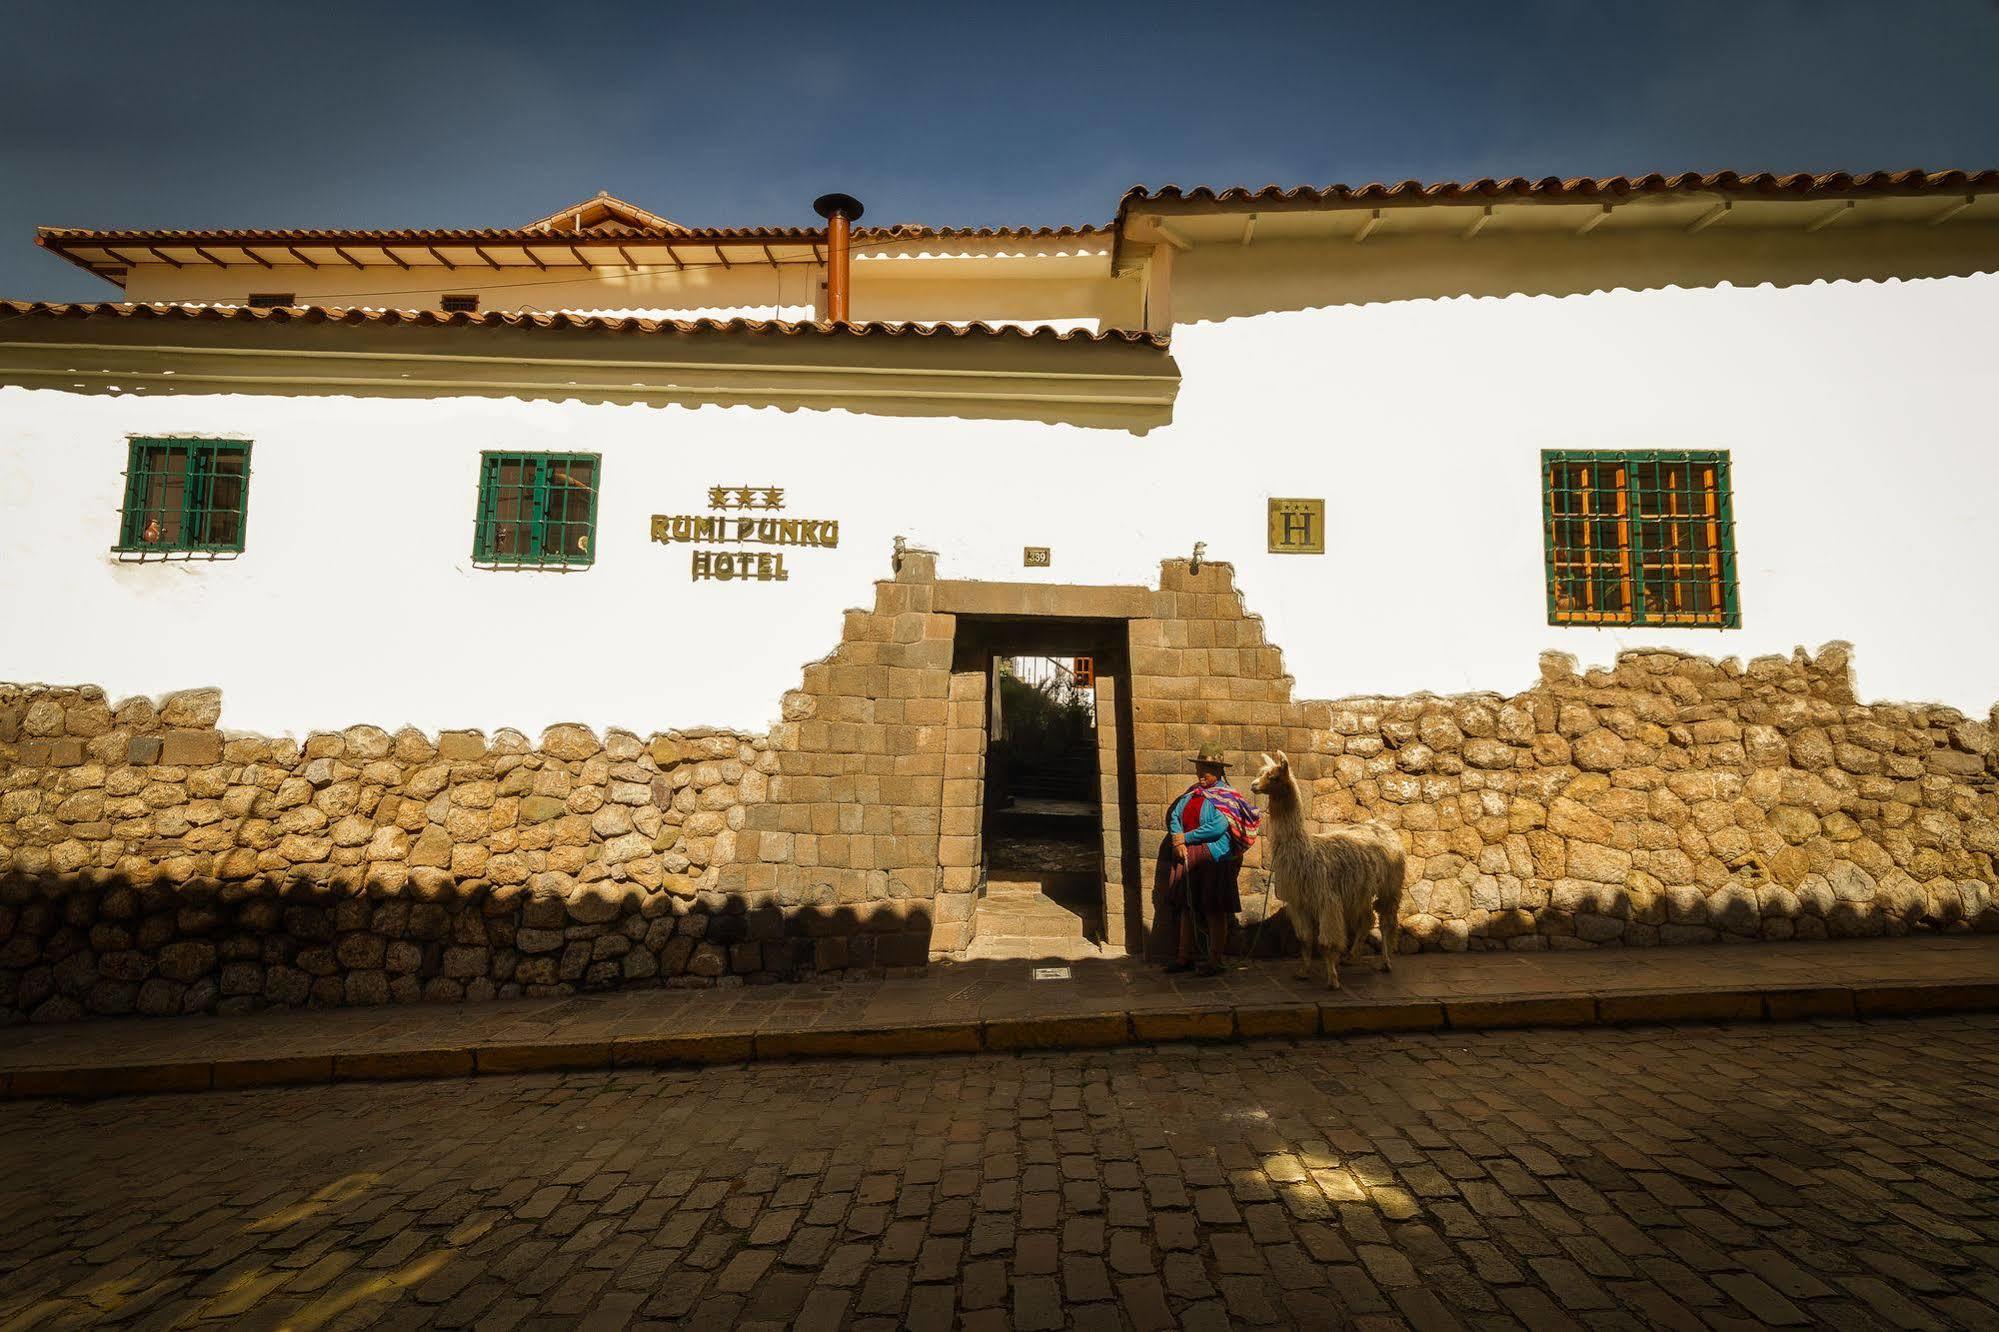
(1297,527)
(740,521)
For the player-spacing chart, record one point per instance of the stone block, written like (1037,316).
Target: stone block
(570,743)
(1092,1031)
(1344,1017)
(1210,1024)
(1691,1006)
(913,1038)
(1801,1005)
(385,1064)
(432,848)
(1524,1011)
(542,808)
(694,1048)
(190,748)
(192,708)
(542,1057)
(461,746)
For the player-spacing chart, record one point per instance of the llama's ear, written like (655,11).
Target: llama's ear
(1269,762)
(1283,758)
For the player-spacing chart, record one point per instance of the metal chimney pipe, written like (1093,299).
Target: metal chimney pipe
(841,211)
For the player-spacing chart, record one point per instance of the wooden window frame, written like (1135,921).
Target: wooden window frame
(488,524)
(195,508)
(1683,577)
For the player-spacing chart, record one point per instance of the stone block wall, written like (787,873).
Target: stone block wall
(151,862)
(1667,799)
(1674,799)
(875,804)
(1203,672)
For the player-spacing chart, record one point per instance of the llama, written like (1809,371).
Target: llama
(1331,883)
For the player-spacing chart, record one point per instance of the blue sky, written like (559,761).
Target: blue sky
(476,114)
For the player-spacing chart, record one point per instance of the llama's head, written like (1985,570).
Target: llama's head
(1273,768)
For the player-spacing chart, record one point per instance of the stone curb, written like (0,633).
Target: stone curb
(1333,1018)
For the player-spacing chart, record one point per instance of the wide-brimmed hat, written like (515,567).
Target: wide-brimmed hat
(1212,756)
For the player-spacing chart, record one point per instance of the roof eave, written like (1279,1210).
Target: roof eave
(1119,380)
(43,241)
(1547,191)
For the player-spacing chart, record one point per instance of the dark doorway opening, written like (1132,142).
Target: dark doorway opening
(1051,833)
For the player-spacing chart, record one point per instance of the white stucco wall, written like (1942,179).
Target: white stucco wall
(1858,416)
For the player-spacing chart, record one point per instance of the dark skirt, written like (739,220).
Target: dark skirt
(1202,882)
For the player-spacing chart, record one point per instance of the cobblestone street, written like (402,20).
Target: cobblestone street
(1837,1173)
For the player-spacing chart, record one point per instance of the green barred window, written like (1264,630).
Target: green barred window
(185,497)
(537,510)
(1639,538)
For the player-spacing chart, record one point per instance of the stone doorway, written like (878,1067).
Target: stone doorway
(1056,799)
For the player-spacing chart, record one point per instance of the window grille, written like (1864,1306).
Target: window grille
(185,497)
(537,510)
(460,304)
(269,300)
(1639,539)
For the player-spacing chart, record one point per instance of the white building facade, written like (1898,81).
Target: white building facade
(1724,417)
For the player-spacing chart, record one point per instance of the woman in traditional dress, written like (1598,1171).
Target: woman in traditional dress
(1208,828)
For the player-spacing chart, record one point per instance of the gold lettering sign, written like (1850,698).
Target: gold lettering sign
(762,567)
(734,527)
(689,528)
(1297,527)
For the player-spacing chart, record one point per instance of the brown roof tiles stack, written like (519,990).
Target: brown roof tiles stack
(556,320)
(1762,184)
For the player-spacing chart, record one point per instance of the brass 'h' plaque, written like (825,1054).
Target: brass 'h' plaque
(1297,527)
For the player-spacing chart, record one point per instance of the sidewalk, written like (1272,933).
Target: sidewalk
(998,1006)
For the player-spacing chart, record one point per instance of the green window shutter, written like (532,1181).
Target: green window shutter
(1639,539)
(536,511)
(185,497)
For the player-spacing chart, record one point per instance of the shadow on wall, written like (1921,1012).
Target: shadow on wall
(94,945)
(1220,283)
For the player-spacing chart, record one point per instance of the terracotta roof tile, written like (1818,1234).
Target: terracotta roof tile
(555,320)
(62,237)
(916,230)
(57,237)
(1762,184)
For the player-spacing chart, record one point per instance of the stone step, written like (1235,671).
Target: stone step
(1013,888)
(1030,927)
(1076,949)
(1027,905)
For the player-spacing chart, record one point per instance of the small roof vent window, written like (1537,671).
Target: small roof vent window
(270,300)
(461,304)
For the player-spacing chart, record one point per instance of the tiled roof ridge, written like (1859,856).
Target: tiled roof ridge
(317,314)
(1794,184)
(918,230)
(517,235)
(420,235)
